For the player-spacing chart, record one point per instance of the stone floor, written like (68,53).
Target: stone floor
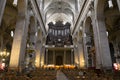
(61,76)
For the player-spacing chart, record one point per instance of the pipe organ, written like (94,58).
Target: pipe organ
(59,36)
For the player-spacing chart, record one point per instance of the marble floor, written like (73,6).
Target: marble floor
(61,76)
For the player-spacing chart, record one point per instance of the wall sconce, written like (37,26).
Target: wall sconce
(4,53)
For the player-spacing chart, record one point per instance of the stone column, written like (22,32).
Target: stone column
(118,2)
(20,37)
(38,52)
(76,56)
(85,49)
(103,45)
(2,7)
(81,55)
(98,57)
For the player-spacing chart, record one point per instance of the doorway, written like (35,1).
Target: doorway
(59,60)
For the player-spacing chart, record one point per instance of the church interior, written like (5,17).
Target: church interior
(59,40)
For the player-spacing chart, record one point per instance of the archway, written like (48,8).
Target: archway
(89,46)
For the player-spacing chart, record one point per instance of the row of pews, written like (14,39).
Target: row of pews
(38,74)
(50,74)
(77,74)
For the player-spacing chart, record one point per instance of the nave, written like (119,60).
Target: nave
(59,39)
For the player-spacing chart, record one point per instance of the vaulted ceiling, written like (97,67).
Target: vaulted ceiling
(63,10)
(51,10)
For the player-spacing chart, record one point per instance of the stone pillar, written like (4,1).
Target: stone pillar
(2,7)
(38,52)
(76,56)
(85,49)
(118,2)
(103,46)
(20,37)
(98,57)
(81,55)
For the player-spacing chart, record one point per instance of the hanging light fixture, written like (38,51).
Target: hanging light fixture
(110,3)
(15,2)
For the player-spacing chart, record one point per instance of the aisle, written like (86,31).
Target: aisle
(61,75)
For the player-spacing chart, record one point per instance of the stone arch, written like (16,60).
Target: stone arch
(89,46)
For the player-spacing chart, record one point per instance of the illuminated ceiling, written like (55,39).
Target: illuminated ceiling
(63,10)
